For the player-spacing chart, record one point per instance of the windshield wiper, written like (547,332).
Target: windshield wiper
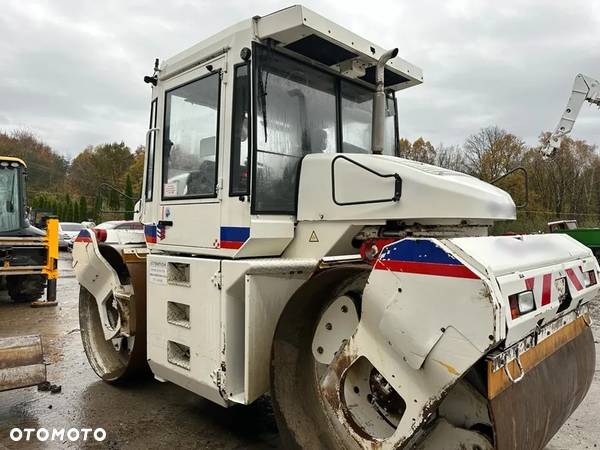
(262,94)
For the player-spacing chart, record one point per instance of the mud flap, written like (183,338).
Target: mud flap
(557,375)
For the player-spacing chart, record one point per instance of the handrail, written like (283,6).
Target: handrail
(397,184)
(510,172)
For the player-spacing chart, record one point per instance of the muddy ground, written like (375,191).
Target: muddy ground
(153,415)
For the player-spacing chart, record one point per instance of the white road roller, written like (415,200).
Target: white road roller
(289,251)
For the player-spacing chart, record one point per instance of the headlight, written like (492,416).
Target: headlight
(521,303)
(526,302)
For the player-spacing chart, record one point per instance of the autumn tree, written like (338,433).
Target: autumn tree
(451,157)
(568,181)
(136,170)
(46,169)
(492,152)
(107,163)
(420,150)
(129,203)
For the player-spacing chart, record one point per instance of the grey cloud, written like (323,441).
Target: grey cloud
(71,71)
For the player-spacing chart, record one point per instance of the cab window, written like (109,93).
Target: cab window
(190,139)
(240,142)
(10,204)
(357,116)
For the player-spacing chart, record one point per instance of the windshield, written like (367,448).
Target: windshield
(297,113)
(10,214)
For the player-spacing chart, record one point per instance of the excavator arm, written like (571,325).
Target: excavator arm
(584,89)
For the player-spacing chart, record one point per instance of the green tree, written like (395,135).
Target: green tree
(97,209)
(129,204)
(60,211)
(68,208)
(83,212)
(114,201)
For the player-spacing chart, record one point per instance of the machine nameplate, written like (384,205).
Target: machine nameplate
(157,272)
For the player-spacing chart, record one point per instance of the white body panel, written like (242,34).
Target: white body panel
(542,259)
(429,314)
(201,333)
(232,310)
(427,191)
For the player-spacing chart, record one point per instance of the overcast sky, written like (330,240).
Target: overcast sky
(71,70)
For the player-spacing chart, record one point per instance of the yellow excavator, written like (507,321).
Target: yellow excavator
(28,266)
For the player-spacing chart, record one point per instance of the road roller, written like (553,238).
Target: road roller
(289,252)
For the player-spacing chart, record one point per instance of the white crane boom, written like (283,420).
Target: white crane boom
(584,89)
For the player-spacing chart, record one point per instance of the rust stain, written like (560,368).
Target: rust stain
(448,367)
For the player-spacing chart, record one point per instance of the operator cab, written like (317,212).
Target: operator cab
(233,117)
(12,201)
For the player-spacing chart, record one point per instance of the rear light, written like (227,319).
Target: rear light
(100,234)
(590,278)
(370,249)
(521,303)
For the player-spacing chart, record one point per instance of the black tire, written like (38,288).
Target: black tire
(111,365)
(25,288)
(298,404)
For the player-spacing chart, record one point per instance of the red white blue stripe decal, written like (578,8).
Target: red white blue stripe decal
(422,256)
(576,283)
(83,236)
(234,237)
(150,233)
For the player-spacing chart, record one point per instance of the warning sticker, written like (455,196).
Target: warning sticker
(313,237)
(157,272)
(170,189)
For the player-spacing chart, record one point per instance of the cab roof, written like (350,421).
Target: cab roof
(299,30)
(13,159)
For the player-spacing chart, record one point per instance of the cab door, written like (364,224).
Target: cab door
(190,193)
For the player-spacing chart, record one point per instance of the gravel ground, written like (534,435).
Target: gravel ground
(153,415)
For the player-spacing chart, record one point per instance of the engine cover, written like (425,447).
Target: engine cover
(377,187)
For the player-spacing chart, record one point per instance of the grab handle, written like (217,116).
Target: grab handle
(509,375)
